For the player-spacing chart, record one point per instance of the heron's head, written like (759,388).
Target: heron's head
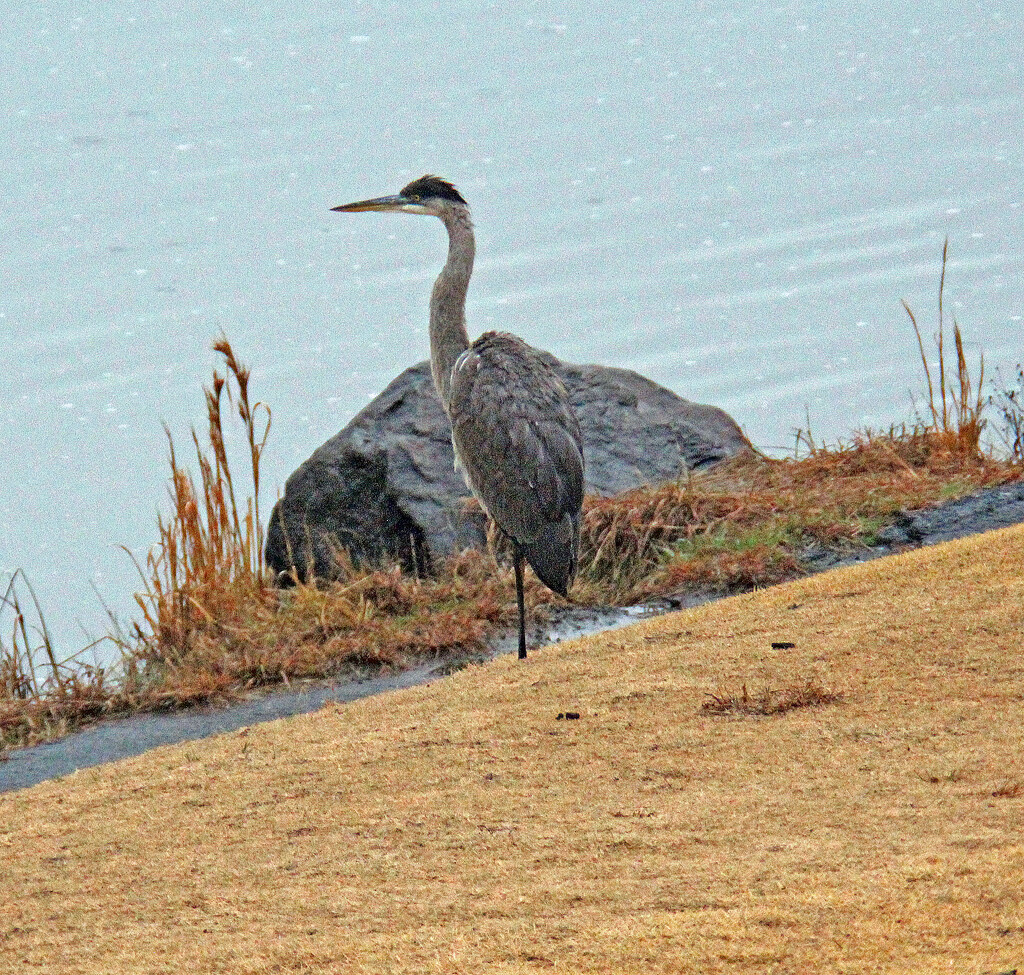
(428,195)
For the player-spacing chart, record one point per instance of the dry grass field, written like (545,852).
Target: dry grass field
(851,803)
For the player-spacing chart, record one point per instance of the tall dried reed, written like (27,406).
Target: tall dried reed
(209,551)
(956,406)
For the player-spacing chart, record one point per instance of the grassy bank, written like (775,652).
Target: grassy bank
(706,812)
(212,623)
(216,628)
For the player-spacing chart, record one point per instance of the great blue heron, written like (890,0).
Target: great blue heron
(515,434)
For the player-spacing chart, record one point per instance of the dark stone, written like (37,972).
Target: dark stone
(386,485)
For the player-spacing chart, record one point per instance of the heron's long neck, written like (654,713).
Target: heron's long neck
(448,338)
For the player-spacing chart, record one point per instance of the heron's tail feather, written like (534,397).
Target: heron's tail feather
(555,555)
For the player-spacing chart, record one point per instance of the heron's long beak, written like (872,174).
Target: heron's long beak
(378,203)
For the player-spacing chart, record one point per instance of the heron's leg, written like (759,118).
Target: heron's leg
(517,559)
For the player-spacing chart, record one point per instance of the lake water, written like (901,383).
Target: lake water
(730,198)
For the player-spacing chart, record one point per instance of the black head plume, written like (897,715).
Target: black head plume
(432,186)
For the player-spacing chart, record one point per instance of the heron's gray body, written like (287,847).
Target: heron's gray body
(516,437)
(518,443)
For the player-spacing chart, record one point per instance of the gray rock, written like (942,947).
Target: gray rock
(386,485)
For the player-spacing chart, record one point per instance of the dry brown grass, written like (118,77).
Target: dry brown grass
(462,828)
(770,700)
(373,619)
(41,696)
(748,522)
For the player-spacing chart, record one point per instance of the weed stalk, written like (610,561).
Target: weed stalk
(959,427)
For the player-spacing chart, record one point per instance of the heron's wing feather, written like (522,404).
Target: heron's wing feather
(518,442)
